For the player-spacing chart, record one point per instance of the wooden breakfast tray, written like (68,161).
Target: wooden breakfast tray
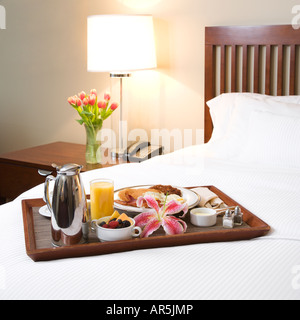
(38,236)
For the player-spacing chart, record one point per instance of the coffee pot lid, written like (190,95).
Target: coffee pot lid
(70,168)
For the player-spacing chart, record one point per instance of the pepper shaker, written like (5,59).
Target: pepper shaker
(238,216)
(228,222)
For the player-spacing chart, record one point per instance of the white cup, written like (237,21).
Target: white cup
(203,217)
(105,235)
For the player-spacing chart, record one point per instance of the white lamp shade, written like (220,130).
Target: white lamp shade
(120,43)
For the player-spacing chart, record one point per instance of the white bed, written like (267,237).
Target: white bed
(263,268)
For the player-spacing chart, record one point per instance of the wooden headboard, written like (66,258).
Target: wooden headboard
(259,59)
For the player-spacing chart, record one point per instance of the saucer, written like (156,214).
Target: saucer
(44,211)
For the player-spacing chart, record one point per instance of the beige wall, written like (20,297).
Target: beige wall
(43,62)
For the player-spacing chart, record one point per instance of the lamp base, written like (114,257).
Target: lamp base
(120,152)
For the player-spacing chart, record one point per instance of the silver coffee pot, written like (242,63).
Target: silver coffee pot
(69,215)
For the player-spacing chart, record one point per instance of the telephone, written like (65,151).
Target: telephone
(141,151)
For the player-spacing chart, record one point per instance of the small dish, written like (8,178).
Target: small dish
(203,217)
(105,235)
(44,211)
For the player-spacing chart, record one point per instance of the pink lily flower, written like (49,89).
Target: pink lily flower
(152,220)
(114,106)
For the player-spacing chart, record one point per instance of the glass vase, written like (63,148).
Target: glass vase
(93,151)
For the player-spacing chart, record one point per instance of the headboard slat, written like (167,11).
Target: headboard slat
(223,69)
(292,69)
(210,87)
(245,68)
(280,71)
(256,69)
(233,68)
(268,70)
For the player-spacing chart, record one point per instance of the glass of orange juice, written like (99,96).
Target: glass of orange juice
(102,198)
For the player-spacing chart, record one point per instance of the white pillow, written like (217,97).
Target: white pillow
(274,141)
(230,145)
(223,106)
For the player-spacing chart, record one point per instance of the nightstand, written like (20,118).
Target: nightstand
(19,169)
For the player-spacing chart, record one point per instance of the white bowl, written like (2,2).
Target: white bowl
(203,217)
(104,234)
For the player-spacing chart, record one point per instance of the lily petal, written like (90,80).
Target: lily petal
(142,219)
(173,225)
(151,227)
(174,207)
(151,202)
(140,201)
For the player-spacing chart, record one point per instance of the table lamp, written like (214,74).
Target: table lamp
(120,44)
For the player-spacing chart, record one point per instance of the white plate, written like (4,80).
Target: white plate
(44,211)
(191,197)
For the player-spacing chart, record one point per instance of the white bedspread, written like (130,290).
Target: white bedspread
(264,268)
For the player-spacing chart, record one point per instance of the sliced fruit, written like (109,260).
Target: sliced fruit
(124,217)
(115,215)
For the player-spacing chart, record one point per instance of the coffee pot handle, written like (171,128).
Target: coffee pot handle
(46,192)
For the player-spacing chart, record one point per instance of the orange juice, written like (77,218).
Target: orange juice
(102,198)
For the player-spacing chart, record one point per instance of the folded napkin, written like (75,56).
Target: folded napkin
(209,199)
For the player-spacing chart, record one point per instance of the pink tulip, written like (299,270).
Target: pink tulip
(85,101)
(92,99)
(94,91)
(71,100)
(107,96)
(102,105)
(114,106)
(78,102)
(82,95)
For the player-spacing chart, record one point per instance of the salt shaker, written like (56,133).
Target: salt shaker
(228,222)
(238,216)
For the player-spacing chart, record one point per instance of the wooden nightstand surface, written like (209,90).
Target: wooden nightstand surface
(19,169)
